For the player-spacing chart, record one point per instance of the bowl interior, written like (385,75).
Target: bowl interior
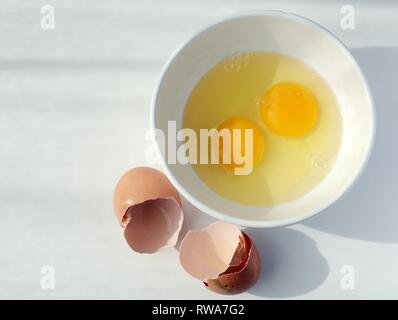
(299,38)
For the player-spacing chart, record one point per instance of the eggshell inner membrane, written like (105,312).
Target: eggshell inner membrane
(208,253)
(241,253)
(241,256)
(153,225)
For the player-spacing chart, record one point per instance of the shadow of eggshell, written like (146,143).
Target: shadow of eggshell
(148,207)
(221,256)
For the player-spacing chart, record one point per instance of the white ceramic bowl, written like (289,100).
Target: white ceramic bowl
(297,37)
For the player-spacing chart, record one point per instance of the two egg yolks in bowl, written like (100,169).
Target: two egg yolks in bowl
(293,116)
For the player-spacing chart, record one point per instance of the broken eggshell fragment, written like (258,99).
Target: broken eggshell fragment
(149,209)
(221,256)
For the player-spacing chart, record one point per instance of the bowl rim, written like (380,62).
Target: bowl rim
(262,223)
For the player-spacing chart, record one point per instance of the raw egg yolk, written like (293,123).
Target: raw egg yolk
(289,109)
(257,147)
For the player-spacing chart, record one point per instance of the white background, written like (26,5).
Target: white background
(74,111)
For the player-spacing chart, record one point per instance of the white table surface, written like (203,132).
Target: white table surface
(74,110)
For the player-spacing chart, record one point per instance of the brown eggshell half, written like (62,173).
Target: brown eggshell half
(149,209)
(141,184)
(222,256)
(238,279)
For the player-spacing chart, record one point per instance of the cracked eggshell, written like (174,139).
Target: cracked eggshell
(149,209)
(221,256)
(242,277)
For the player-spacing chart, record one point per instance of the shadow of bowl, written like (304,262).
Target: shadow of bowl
(368,211)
